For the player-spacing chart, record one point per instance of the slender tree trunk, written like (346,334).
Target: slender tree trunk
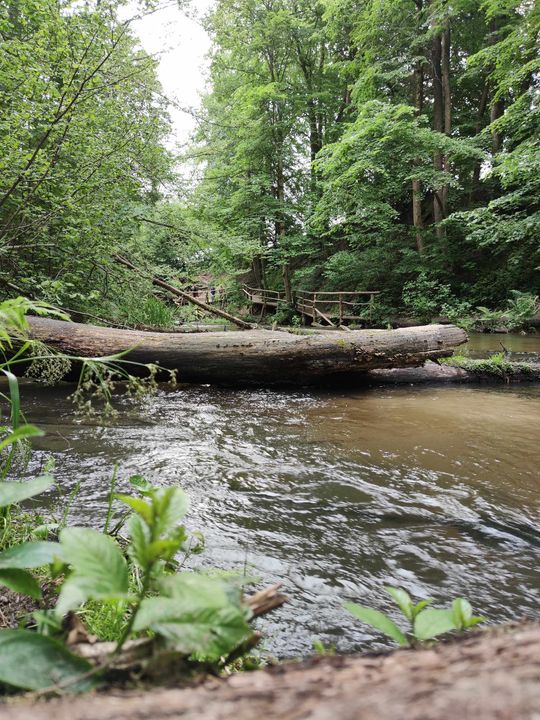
(416,184)
(281,228)
(479,125)
(497,111)
(447,102)
(438,121)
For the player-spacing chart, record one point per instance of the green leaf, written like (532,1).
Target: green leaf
(99,570)
(171,505)
(420,606)
(141,507)
(16,492)
(30,555)
(23,432)
(462,614)
(140,536)
(402,599)
(34,662)
(141,484)
(379,621)
(432,622)
(14,398)
(196,614)
(20,581)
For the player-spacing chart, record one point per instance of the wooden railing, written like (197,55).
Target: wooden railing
(339,306)
(261,296)
(342,306)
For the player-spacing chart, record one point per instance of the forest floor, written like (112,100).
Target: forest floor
(485,675)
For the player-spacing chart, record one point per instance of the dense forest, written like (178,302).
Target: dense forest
(387,145)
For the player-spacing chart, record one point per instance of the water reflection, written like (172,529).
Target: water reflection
(333,494)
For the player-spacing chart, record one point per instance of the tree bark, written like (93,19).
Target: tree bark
(257,357)
(417,184)
(438,122)
(447,103)
(483,676)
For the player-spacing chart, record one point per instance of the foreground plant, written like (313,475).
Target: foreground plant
(190,616)
(425,623)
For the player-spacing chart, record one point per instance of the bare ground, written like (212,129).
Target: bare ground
(494,675)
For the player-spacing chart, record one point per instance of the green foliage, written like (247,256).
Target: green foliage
(34,662)
(425,623)
(425,298)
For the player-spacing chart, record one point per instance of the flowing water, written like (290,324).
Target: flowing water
(435,489)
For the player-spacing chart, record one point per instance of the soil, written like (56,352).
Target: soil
(487,675)
(14,608)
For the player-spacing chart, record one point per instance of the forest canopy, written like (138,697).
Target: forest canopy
(387,145)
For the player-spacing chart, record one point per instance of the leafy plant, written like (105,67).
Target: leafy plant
(196,616)
(425,623)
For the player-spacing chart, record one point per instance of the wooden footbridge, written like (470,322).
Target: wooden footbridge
(332,308)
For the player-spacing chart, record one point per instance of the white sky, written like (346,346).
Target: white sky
(181,44)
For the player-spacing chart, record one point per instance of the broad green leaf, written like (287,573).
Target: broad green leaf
(141,507)
(139,536)
(164,549)
(30,555)
(402,600)
(199,615)
(33,662)
(99,570)
(16,492)
(171,506)
(20,581)
(432,622)
(379,621)
(23,432)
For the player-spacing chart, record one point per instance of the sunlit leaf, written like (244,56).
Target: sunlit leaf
(402,599)
(433,622)
(379,621)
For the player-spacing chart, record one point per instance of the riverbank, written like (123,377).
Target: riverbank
(481,676)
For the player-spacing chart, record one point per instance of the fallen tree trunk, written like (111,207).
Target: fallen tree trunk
(517,372)
(493,674)
(256,356)
(184,295)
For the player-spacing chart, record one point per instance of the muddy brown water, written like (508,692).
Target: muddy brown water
(436,489)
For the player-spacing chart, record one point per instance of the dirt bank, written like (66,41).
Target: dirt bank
(494,674)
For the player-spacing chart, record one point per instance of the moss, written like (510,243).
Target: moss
(497,365)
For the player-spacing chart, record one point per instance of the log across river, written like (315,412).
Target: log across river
(256,356)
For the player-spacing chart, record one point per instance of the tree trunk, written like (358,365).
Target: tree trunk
(447,103)
(256,356)
(438,122)
(416,184)
(286,273)
(483,676)
(479,125)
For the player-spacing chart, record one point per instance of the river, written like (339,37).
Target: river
(334,493)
